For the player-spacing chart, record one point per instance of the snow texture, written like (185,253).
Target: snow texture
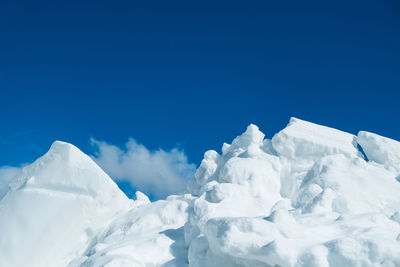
(306,197)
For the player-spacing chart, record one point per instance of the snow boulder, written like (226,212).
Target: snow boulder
(55,208)
(306,141)
(381,150)
(302,143)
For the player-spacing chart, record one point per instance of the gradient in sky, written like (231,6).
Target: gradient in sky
(192,74)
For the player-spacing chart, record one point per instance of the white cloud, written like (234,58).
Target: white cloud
(158,173)
(7,173)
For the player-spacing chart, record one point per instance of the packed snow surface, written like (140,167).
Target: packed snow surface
(306,197)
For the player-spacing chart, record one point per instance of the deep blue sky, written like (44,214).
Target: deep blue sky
(192,72)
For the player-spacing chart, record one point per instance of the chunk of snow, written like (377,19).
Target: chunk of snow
(250,142)
(141,199)
(303,143)
(381,149)
(349,186)
(302,140)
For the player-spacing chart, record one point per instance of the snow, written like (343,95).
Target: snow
(381,149)
(306,197)
(303,143)
(349,186)
(326,205)
(55,209)
(7,174)
(148,235)
(302,140)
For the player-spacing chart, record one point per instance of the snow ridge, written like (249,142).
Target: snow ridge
(306,197)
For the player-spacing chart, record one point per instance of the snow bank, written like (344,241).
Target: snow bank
(55,209)
(307,197)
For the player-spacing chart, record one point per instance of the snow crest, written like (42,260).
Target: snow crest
(306,197)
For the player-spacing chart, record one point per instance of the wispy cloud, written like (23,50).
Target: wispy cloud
(7,173)
(158,173)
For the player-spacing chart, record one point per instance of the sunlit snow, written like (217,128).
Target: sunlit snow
(307,197)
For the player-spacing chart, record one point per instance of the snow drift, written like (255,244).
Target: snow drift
(306,197)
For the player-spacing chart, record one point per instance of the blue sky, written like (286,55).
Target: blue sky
(192,74)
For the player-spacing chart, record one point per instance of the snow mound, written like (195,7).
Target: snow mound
(55,209)
(306,197)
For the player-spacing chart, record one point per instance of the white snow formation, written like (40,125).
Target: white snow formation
(307,197)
